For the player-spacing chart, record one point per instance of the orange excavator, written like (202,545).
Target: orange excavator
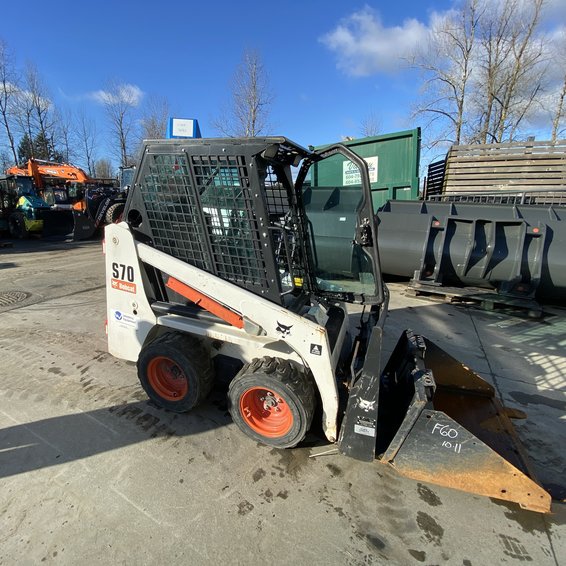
(61,185)
(94,202)
(42,171)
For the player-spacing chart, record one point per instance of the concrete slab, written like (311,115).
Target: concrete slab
(450,326)
(91,472)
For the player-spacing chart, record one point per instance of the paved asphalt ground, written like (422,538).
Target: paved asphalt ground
(91,473)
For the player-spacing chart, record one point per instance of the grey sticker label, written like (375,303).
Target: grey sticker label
(365,430)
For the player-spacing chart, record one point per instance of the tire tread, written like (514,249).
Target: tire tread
(199,359)
(289,376)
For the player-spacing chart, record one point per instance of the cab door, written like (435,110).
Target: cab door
(341,226)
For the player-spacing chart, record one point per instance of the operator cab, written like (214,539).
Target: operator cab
(233,209)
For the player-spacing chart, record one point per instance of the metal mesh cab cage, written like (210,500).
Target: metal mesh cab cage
(219,205)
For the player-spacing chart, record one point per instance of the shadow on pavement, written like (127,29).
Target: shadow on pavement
(67,438)
(47,244)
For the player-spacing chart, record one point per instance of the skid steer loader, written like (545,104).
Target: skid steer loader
(221,254)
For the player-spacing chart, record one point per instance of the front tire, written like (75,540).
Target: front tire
(272,401)
(114,213)
(175,371)
(17,226)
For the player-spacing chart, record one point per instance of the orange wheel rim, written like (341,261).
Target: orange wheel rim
(167,379)
(266,412)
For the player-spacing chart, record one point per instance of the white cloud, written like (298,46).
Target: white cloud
(126,93)
(364,46)
(10,89)
(16,94)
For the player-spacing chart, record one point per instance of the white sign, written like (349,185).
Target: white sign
(351,173)
(183,128)
(124,319)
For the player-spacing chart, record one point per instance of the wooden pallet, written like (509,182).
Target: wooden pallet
(482,298)
(511,165)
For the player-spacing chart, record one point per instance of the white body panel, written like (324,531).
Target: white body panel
(129,314)
(130,317)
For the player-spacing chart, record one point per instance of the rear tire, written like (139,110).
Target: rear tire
(272,401)
(114,213)
(175,371)
(17,226)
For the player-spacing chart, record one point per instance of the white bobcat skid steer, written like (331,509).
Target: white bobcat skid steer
(221,253)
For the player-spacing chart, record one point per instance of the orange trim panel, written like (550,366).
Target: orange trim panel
(205,302)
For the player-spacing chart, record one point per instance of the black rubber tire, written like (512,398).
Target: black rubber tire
(191,360)
(17,226)
(114,213)
(289,383)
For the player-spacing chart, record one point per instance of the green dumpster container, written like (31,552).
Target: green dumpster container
(393,163)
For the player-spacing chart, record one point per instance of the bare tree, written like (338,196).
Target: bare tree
(5,160)
(511,68)
(448,64)
(42,110)
(559,113)
(8,93)
(484,70)
(86,136)
(558,108)
(35,115)
(155,114)
(121,102)
(103,168)
(371,125)
(248,112)
(24,118)
(494,53)
(65,134)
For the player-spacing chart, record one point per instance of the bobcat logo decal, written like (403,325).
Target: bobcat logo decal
(285,330)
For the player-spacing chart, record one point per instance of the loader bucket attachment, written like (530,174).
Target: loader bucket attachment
(57,223)
(84,228)
(440,422)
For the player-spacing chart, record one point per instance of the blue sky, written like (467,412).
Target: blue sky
(326,71)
